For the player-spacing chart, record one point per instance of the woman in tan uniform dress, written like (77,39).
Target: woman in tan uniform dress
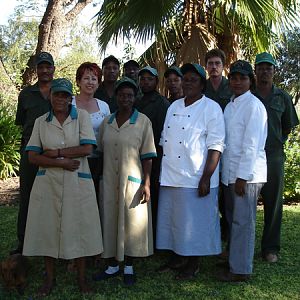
(63,219)
(126,140)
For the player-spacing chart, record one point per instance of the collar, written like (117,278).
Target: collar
(241,97)
(132,119)
(73,114)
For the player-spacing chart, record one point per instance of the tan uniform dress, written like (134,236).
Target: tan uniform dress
(127,224)
(63,219)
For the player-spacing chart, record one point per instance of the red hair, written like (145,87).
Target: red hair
(93,67)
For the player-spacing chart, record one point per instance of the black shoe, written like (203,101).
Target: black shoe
(129,279)
(103,275)
(18,250)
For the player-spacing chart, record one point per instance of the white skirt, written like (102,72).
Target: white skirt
(187,224)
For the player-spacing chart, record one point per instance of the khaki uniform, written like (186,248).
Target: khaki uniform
(127,227)
(63,218)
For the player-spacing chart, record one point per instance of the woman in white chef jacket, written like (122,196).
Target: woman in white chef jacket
(192,140)
(244,168)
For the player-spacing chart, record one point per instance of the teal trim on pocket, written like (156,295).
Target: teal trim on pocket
(84,175)
(136,180)
(41,172)
(34,148)
(148,155)
(87,141)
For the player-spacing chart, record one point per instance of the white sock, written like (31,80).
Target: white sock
(128,269)
(112,270)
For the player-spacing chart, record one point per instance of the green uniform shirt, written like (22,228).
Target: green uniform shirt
(101,94)
(155,107)
(31,105)
(282,117)
(221,95)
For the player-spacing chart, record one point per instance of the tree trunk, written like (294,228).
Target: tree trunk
(52,31)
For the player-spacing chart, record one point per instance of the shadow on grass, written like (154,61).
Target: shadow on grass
(269,281)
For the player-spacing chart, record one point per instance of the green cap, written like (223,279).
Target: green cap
(150,70)
(242,67)
(195,68)
(173,70)
(44,57)
(62,85)
(126,81)
(264,58)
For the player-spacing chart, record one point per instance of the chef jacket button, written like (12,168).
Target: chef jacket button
(168,126)
(180,142)
(189,115)
(164,155)
(174,115)
(165,140)
(116,144)
(182,127)
(178,156)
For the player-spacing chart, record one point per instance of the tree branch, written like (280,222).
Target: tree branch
(73,13)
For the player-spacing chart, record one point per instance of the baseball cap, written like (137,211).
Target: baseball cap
(264,57)
(110,58)
(150,70)
(193,67)
(173,70)
(44,57)
(242,67)
(61,85)
(126,81)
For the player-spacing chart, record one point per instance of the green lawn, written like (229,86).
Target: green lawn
(277,281)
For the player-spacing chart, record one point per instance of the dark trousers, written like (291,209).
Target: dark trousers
(27,173)
(272,200)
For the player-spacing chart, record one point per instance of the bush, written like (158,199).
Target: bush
(9,143)
(292,170)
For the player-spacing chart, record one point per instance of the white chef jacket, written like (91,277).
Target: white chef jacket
(246,132)
(188,133)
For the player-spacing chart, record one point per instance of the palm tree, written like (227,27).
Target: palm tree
(185,30)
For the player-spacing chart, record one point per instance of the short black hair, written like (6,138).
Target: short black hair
(110,58)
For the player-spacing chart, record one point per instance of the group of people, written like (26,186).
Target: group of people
(121,170)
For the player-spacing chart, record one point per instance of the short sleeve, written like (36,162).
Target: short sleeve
(148,147)
(86,131)
(34,143)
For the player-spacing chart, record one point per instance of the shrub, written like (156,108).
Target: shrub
(292,169)
(9,143)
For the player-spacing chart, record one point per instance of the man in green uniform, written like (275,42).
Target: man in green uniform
(282,118)
(131,70)
(173,83)
(106,90)
(155,107)
(33,102)
(217,89)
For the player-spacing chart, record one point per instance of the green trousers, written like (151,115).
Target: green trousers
(27,174)
(272,199)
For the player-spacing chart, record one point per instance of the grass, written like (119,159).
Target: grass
(269,281)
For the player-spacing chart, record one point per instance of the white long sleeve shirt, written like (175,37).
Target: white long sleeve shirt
(246,132)
(188,133)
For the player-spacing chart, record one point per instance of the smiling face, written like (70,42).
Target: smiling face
(45,72)
(88,83)
(239,83)
(60,102)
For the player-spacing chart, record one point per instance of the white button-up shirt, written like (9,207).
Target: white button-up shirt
(246,132)
(188,133)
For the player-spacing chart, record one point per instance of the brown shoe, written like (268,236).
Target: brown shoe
(271,257)
(231,277)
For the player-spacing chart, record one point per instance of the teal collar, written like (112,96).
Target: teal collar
(132,119)
(73,114)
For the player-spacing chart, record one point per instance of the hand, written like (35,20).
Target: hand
(50,153)
(70,164)
(145,195)
(204,186)
(239,187)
